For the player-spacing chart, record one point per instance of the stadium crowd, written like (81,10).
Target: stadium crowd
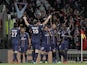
(64,19)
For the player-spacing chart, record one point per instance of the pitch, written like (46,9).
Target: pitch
(46,64)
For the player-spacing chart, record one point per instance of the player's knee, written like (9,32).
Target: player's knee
(36,51)
(15,52)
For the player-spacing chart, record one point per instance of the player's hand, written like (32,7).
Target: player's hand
(50,16)
(25,18)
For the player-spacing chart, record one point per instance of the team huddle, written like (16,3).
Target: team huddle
(42,40)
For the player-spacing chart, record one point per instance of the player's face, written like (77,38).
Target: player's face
(38,23)
(22,30)
(53,26)
(46,28)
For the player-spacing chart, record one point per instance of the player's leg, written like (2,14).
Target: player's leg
(25,54)
(59,55)
(50,55)
(37,53)
(33,53)
(53,52)
(47,49)
(64,56)
(15,52)
(15,56)
(54,55)
(21,55)
(42,53)
(46,57)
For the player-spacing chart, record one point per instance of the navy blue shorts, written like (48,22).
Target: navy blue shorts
(53,46)
(15,45)
(46,47)
(23,49)
(15,48)
(36,45)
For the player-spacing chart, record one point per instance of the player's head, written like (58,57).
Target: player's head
(35,22)
(38,22)
(53,26)
(22,29)
(45,28)
(15,24)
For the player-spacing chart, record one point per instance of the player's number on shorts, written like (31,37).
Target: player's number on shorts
(14,33)
(35,31)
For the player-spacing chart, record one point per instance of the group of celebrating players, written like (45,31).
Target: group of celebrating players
(42,41)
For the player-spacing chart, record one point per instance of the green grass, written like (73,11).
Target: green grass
(46,64)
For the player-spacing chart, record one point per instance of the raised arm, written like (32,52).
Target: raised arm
(46,21)
(25,20)
(16,7)
(25,5)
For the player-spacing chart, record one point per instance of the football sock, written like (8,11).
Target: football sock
(46,57)
(42,57)
(21,58)
(36,55)
(25,57)
(33,55)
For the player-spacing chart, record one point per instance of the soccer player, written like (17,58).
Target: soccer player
(45,46)
(53,32)
(35,37)
(15,32)
(24,43)
(63,47)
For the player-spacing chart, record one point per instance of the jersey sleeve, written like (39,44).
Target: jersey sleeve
(41,27)
(29,26)
(27,35)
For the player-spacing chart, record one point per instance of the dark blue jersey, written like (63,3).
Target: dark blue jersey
(45,38)
(53,36)
(24,39)
(36,33)
(64,45)
(15,33)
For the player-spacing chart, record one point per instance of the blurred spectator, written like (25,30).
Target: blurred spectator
(20,10)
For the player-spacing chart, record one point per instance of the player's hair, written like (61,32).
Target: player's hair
(15,24)
(23,27)
(35,21)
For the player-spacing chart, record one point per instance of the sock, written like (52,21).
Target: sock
(25,57)
(42,57)
(33,55)
(15,57)
(59,56)
(21,58)
(36,55)
(65,56)
(54,56)
(46,57)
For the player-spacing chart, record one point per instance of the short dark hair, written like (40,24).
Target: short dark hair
(15,24)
